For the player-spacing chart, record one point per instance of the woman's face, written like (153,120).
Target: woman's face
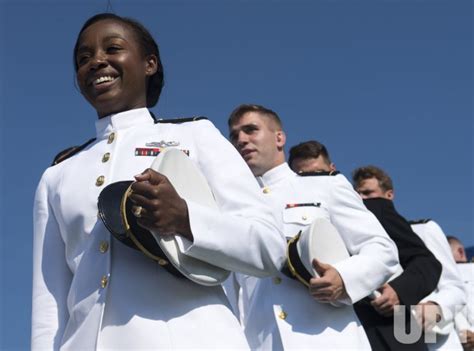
(112,70)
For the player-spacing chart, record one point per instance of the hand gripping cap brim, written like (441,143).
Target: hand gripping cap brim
(115,211)
(320,240)
(191,185)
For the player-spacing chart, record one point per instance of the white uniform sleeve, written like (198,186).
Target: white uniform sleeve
(245,236)
(465,318)
(462,322)
(449,293)
(51,276)
(374,256)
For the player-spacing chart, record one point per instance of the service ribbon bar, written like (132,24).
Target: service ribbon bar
(146,151)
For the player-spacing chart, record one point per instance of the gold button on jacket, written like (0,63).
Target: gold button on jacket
(111,138)
(104,246)
(282,315)
(100,180)
(266,190)
(106,157)
(104,281)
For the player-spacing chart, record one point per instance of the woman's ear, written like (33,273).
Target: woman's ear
(151,65)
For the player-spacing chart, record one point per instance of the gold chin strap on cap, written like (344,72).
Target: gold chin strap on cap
(123,213)
(288,259)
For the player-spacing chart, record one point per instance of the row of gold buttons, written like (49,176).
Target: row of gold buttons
(104,245)
(282,314)
(101,179)
(277,280)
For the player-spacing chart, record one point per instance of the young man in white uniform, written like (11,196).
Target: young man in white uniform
(280,312)
(464,320)
(449,294)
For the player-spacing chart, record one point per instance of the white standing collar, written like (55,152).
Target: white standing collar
(274,175)
(123,120)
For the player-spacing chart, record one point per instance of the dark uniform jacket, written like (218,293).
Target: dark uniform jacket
(419,278)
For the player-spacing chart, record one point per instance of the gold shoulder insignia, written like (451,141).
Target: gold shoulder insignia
(69,152)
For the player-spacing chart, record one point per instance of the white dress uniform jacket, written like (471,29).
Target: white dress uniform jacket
(278,312)
(90,291)
(449,293)
(464,319)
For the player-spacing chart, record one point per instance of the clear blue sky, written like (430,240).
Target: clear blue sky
(381,82)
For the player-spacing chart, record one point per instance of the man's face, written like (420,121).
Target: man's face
(259,142)
(370,188)
(458,251)
(311,164)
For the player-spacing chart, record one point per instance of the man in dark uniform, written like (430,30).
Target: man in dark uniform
(421,269)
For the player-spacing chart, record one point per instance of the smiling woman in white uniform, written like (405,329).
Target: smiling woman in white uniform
(91,292)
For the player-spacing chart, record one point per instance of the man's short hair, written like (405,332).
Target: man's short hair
(367,172)
(241,110)
(453,239)
(309,149)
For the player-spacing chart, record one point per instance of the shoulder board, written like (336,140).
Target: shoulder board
(311,174)
(420,221)
(180,120)
(69,152)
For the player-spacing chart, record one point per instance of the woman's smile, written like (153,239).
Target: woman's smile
(112,69)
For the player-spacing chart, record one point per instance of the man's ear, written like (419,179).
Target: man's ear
(332,167)
(389,194)
(151,65)
(280,138)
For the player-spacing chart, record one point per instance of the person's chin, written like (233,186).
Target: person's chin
(106,104)
(109,108)
(251,161)
(249,157)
